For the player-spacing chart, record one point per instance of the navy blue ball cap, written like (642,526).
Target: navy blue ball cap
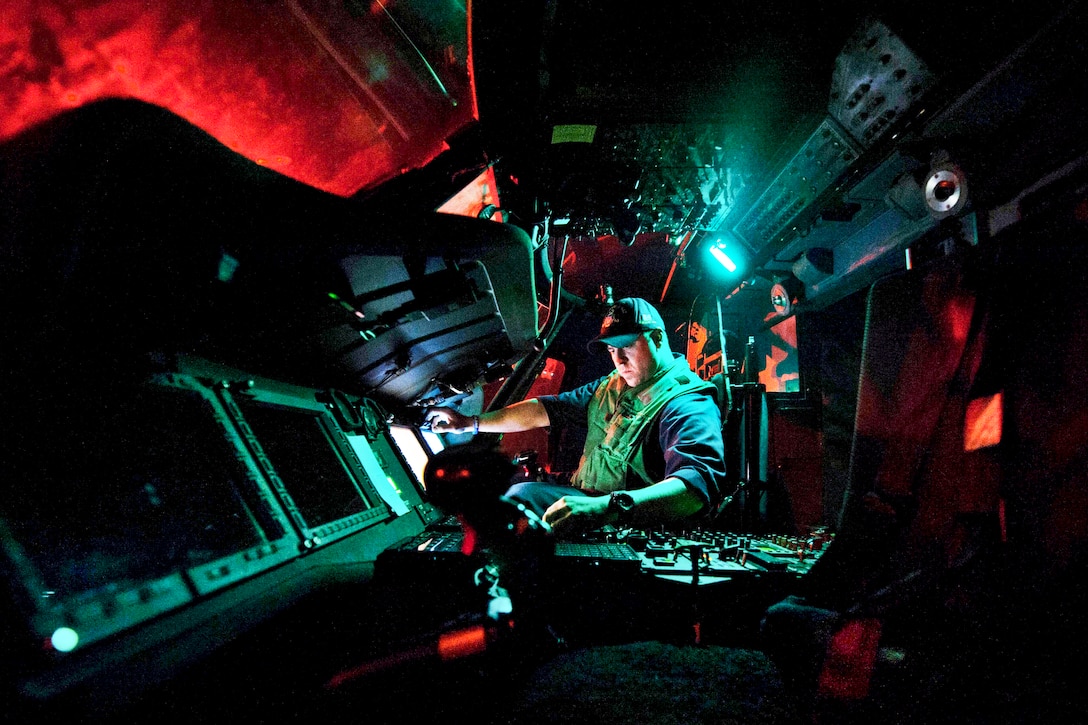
(625,321)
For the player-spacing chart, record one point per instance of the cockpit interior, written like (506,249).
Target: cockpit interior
(245,245)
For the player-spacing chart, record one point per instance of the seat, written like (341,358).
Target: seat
(871,620)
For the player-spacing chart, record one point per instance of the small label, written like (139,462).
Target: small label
(573,133)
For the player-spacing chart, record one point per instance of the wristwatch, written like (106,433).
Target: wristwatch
(621,503)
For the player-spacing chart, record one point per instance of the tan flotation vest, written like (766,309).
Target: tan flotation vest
(618,416)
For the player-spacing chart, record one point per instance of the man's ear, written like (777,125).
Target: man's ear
(657,336)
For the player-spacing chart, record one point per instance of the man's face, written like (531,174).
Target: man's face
(635,363)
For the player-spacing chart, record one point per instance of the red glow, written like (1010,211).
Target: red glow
(960,312)
(675,263)
(633,271)
(281,83)
(1002,523)
(1080,211)
(901,399)
(982,423)
(769,375)
(787,331)
(549,382)
(472,200)
(468,543)
(848,666)
(462,643)
(782,355)
(867,259)
(367,669)
(944,190)
(458,474)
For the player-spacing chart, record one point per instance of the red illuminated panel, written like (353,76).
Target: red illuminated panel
(337,95)
(548,382)
(632,271)
(983,422)
(781,369)
(481,192)
(848,666)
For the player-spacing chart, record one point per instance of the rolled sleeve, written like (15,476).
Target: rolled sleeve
(690,436)
(569,408)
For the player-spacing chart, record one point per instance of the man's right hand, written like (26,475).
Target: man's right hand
(447,420)
(526,415)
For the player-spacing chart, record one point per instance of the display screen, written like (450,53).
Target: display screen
(149,484)
(415,455)
(780,370)
(299,446)
(434,441)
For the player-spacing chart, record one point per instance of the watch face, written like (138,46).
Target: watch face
(622,501)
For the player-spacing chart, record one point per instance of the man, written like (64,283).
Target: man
(653,450)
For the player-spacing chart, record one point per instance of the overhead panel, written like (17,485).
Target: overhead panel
(876,79)
(825,155)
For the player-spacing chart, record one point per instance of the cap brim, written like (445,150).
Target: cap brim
(615,341)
